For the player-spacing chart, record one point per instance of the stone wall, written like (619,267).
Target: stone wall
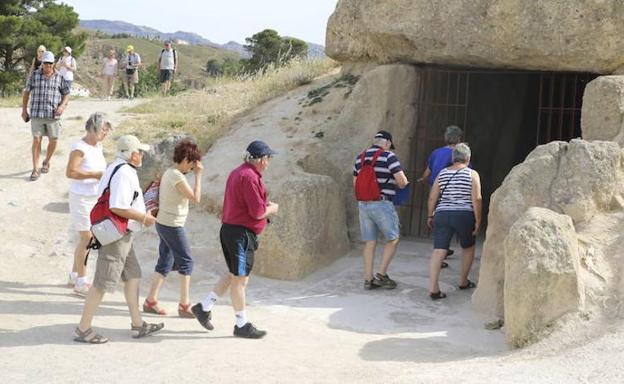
(539,35)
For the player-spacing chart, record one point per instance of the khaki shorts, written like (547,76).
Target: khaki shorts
(131,79)
(45,127)
(116,261)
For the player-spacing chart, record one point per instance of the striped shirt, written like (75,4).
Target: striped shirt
(45,94)
(456,195)
(386,166)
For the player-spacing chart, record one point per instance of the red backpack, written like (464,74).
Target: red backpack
(366,186)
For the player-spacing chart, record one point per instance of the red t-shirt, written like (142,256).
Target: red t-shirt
(245,199)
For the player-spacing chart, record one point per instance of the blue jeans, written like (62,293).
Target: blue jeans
(378,216)
(173,249)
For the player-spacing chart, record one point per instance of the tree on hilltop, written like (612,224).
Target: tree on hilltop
(26,24)
(268,47)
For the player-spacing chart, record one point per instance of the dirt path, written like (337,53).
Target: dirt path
(323,329)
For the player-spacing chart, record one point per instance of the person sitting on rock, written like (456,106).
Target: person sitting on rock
(454,207)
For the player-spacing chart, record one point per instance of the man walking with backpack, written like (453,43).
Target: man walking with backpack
(168,65)
(377,173)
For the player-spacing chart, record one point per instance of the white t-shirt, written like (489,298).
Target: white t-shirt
(167,60)
(110,67)
(93,160)
(123,189)
(67,73)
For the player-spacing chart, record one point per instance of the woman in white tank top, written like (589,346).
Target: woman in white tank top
(85,168)
(454,208)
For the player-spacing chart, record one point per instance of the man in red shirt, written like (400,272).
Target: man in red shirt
(245,212)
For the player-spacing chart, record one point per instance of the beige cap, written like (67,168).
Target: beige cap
(128,144)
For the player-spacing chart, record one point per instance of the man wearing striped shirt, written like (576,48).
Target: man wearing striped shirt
(48,93)
(380,216)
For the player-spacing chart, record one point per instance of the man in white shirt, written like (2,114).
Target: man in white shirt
(118,260)
(168,64)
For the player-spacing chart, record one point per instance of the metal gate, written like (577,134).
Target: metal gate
(445,100)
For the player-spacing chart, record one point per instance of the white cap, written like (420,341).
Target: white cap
(48,57)
(128,144)
(68,49)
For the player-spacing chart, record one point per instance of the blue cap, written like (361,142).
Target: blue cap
(259,149)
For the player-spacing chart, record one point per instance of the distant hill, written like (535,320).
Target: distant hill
(117,27)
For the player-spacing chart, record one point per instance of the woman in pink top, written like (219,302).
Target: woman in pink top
(109,74)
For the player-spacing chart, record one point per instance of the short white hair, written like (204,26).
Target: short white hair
(380,141)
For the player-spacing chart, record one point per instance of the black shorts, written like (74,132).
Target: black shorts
(447,223)
(166,75)
(238,245)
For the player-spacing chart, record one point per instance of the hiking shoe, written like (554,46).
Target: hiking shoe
(371,284)
(202,316)
(249,331)
(385,281)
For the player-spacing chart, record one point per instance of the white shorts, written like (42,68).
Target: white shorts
(80,207)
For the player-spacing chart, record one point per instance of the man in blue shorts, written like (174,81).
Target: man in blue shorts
(245,211)
(380,215)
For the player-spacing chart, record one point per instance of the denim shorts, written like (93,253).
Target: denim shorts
(378,216)
(174,251)
(447,223)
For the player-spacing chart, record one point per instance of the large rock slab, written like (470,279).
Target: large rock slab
(602,117)
(541,35)
(541,281)
(580,179)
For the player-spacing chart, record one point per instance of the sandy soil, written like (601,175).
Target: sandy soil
(322,329)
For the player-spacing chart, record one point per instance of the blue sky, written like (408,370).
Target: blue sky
(219,21)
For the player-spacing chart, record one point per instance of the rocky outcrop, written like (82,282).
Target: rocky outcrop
(541,281)
(540,35)
(579,186)
(602,117)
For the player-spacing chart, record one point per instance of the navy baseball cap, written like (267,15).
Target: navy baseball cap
(258,148)
(385,135)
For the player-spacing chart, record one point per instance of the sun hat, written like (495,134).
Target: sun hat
(48,57)
(258,148)
(130,48)
(128,144)
(68,49)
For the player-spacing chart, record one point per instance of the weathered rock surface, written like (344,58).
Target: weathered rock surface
(540,35)
(564,200)
(541,281)
(602,117)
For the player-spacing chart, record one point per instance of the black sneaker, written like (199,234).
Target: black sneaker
(202,316)
(249,331)
(385,281)
(371,284)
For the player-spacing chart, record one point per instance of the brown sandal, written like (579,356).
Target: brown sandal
(152,307)
(45,167)
(184,311)
(89,336)
(34,175)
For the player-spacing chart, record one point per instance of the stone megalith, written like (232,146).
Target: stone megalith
(602,117)
(540,35)
(580,179)
(541,281)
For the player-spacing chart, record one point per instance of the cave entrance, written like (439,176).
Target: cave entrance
(504,115)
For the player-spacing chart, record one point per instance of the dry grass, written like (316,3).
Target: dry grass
(207,114)
(11,102)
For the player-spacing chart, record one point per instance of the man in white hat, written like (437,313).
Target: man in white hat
(48,94)
(66,66)
(117,260)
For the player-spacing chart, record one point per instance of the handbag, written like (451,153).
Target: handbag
(402,195)
(106,226)
(151,197)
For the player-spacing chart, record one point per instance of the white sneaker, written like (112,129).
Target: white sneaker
(71,280)
(82,290)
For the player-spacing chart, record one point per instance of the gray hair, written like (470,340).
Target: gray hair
(380,141)
(96,122)
(453,134)
(249,159)
(461,153)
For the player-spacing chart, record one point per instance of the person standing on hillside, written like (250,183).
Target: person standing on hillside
(36,63)
(48,94)
(131,66)
(66,66)
(109,73)
(168,64)
(376,174)
(246,209)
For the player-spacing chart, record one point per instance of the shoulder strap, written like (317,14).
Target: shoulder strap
(373,161)
(447,184)
(113,174)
